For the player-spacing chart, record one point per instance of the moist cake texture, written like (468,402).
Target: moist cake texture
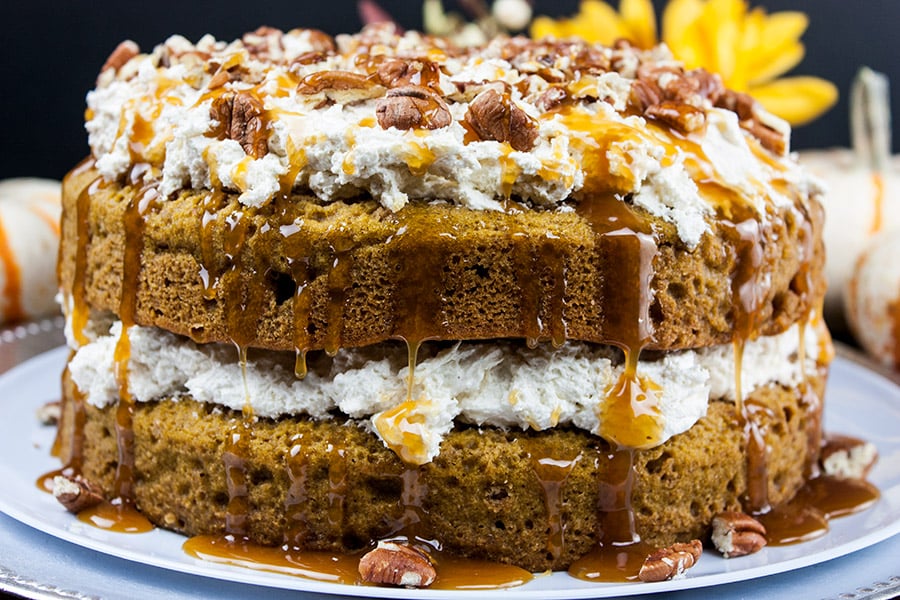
(523,299)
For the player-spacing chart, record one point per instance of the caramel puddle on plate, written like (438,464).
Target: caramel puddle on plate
(119,517)
(453,573)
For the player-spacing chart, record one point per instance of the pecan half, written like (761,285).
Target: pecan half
(671,561)
(496,117)
(847,457)
(124,52)
(240,117)
(396,564)
(396,72)
(341,87)
(76,493)
(684,117)
(737,534)
(412,107)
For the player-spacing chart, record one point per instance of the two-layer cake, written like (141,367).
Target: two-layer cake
(521,299)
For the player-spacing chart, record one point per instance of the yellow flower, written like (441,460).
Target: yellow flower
(750,49)
(597,21)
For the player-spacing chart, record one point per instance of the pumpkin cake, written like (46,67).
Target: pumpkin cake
(523,299)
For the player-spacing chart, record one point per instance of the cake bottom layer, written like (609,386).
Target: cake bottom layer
(533,499)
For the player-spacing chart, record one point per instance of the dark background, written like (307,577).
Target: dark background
(51,53)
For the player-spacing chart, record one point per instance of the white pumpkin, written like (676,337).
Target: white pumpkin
(29,239)
(873,299)
(857,207)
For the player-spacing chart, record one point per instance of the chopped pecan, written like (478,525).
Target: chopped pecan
(397,72)
(342,87)
(736,102)
(319,40)
(240,117)
(310,58)
(847,457)
(671,561)
(553,97)
(412,107)
(50,412)
(644,94)
(264,42)
(771,140)
(124,52)
(496,117)
(591,59)
(76,493)
(737,534)
(397,564)
(683,117)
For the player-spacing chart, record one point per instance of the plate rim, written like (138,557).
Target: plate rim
(845,360)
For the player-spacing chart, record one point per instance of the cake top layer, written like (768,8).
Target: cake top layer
(404,118)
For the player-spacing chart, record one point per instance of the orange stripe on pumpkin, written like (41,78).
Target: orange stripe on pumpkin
(12,289)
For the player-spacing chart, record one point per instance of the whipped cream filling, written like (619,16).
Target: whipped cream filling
(494,383)
(156,109)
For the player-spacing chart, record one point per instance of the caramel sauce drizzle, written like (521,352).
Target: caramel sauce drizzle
(621,552)
(133,222)
(209,280)
(234,459)
(295,503)
(340,278)
(551,472)
(337,486)
(748,297)
(80,311)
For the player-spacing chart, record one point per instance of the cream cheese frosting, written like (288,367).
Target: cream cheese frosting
(157,109)
(493,384)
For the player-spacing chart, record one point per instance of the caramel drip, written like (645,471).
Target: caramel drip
(12,284)
(209,276)
(555,261)
(295,503)
(244,294)
(76,443)
(877,203)
(526,265)
(418,303)
(413,520)
(338,466)
(234,459)
(620,553)
(297,251)
(812,406)
(80,311)
(340,278)
(417,299)
(748,299)
(551,472)
(453,573)
(821,499)
(757,495)
(133,224)
(630,416)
